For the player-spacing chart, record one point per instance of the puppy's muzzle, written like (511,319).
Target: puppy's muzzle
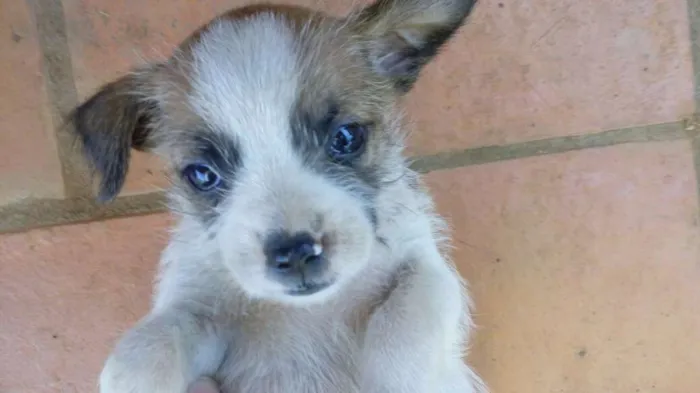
(297,261)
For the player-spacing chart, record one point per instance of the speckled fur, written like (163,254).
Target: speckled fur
(254,86)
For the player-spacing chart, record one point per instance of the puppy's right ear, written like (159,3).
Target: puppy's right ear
(402,36)
(118,117)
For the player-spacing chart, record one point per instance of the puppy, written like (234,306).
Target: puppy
(307,257)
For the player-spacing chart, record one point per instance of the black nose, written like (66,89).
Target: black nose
(293,254)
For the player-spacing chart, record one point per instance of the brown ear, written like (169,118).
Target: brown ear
(115,119)
(404,35)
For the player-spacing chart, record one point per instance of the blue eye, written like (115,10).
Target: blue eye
(347,141)
(202,177)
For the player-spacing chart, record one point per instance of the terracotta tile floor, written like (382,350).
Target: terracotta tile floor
(28,163)
(67,294)
(584,265)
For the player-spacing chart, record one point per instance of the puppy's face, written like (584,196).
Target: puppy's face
(280,128)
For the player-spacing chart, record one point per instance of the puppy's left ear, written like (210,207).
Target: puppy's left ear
(404,35)
(117,118)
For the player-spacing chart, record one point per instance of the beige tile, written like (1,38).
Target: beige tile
(584,267)
(147,173)
(67,294)
(524,70)
(29,166)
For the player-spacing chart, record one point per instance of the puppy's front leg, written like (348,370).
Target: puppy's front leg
(163,353)
(413,338)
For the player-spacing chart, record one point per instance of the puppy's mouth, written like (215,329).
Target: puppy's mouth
(307,288)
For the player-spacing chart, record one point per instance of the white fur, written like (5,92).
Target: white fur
(395,320)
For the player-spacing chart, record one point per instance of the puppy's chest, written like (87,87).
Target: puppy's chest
(304,357)
(316,350)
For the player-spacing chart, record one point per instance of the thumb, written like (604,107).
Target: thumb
(204,385)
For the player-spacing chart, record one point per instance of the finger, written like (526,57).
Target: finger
(204,385)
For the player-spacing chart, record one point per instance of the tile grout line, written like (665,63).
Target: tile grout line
(487,154)
(59,81)
(53,212)
(696,159)
(694,26)
(43,213)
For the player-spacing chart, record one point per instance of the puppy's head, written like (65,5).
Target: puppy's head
(280,128)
